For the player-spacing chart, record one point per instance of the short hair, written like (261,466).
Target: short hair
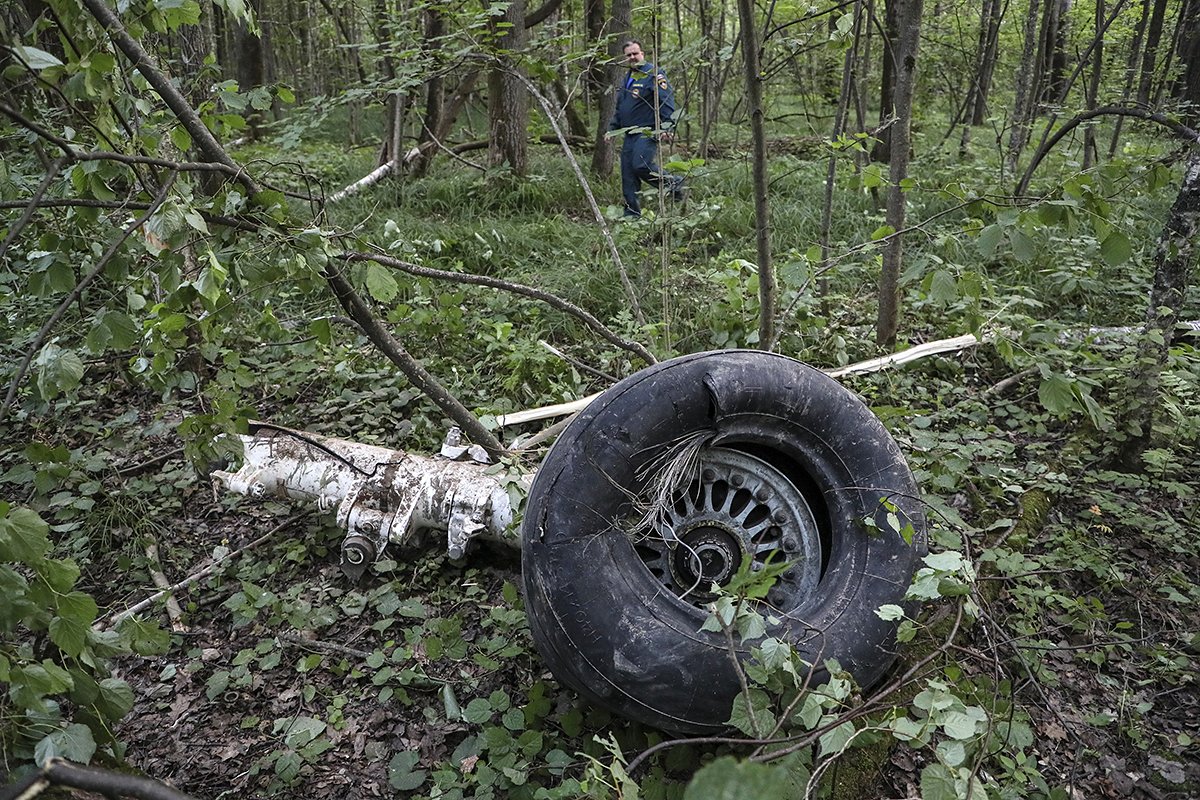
(628,42)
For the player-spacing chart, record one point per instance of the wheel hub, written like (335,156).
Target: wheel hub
(739,508)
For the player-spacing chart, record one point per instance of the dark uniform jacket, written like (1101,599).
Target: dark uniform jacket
(642,87)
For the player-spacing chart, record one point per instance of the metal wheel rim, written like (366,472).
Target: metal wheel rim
(736,502)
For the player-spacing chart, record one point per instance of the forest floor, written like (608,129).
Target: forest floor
(287,680)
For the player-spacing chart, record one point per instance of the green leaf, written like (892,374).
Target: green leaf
(836,740)
(1023,247)
(59,371)
(74,743)
(23,537)
(730,779)
(882,231)
(478,711)
(69,630)
(401,773)
(181,138)
(381,284)
(752,716)
(958,725)
(942,287)
(989,240)
(116,698)
(302,730)
(1056,395)
(34,58)
(1116,249)
(144,637)
(889,612)
(212,279)
(937,783)
(285,95)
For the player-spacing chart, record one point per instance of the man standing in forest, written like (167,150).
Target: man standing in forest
(645,111)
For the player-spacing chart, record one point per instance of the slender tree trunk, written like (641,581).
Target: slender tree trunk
(762,218)
(1130,73)
(251,66)
(1090,153)
(618,27)
(887,83)
(435,29)
(1172,264)
(987,67)
(1150,51)
(1055,50)
(1022,116)
(1187,89)
(1165,71)
(906,46)
(839,126)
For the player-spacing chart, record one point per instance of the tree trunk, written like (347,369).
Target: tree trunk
(1150,51)
(1054,48)
(987,67)
(1090,153)
(887,84)
(762,217)
(1130,73)
(508,102)
(1187,88)
(618,27)
(1022,106)
(1172,262)
(251,66)
(435,29)
(906,46)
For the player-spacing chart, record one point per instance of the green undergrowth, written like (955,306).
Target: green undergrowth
(1075,581)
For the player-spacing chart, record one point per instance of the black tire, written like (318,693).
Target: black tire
(628,638)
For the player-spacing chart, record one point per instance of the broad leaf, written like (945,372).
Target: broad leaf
(730,779)
(34,58)
(74,743)
(401,773)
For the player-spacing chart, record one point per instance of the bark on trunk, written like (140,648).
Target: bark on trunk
(906,46)
(1172,263)
(508,102)
(762,217)
(618,27)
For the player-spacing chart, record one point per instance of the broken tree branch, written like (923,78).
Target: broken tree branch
(626,284)
(870,365)
(115,619)
(202,137)
(417,375)
(60,772)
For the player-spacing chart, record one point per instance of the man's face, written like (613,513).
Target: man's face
(634,55)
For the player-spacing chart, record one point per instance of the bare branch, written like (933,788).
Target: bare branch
(516,288)
(202,137)
(1120,111)
(30,207)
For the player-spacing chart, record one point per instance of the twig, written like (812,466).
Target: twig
(174,612)
(543,435)
(630,294)
(60,772)
(77,292)
(30,207)
(327,647)
(515,288)
(1002,386)
(576,362)
(413,370)
(78,202)
(115,619)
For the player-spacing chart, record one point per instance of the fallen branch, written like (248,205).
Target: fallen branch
(1180,129)
(870,365)
(60,772)
(116,619)
(324,647)
(174,612)
(416,373)
(374,177)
